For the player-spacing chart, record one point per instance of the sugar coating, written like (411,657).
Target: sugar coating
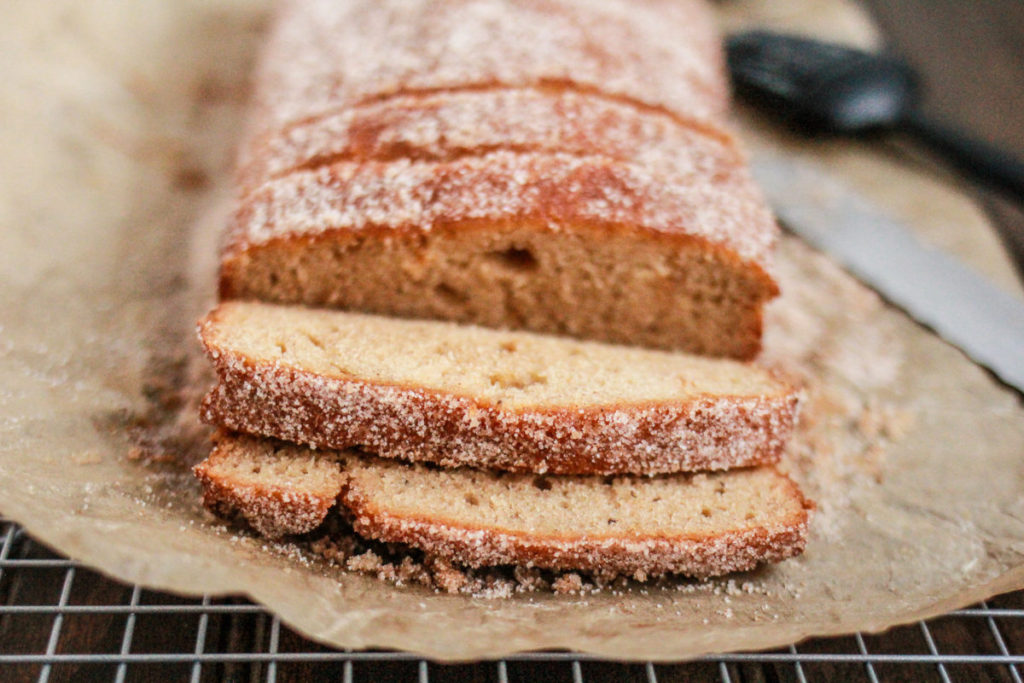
(708,524)
(274,502)
(712,555)
(560,190)
(607,80)
(277,490)
(443,125)
(459,395)
(325,55)
(393,145)
(595,507)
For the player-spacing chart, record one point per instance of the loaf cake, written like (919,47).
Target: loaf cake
(703,524)
(462,395)
(552,166)
(507,201)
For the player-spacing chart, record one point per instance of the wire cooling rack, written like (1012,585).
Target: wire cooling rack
(61,621)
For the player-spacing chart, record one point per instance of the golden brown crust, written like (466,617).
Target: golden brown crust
(323,56)
(641,556)
(500,188)
(441,126)
(379,122)
(741,547)
(275,399)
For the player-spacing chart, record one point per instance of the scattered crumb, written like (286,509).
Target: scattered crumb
(446,577)
(87,458)
(337,545)
(367,563)
(413,572)
(334,549)
(568,583)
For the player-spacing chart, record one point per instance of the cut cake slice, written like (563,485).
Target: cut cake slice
(703,524)
(458,395)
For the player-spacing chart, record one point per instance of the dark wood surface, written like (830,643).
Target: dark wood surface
(972,57)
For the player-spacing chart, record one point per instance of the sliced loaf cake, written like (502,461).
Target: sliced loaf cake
(459,395)
(693,524)
(559,166)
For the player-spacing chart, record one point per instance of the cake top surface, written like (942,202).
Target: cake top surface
(323,55)
(505,368)
(556,191)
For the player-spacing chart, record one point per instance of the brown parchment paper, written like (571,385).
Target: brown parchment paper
(118,125)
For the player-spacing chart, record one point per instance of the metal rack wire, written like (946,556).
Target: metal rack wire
(60,620)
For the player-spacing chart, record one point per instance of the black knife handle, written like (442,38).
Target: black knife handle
(985,163)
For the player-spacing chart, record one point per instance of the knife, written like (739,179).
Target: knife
(937,290)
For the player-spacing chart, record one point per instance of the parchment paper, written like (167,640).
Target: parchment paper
(118,126)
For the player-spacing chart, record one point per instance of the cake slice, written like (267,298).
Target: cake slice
(693,524)
(459,395)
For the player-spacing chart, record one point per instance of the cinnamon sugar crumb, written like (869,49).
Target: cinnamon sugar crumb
(445,576)
(366,563)
(87,458)
(530,579)
(403,566)
(568,583)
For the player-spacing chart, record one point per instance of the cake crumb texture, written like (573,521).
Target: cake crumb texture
(562,167)
(462,395)
(696,525)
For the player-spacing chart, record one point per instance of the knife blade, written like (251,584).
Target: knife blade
(959,304)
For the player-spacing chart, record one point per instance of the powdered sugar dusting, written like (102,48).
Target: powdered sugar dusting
(561,189)
(745,421)
(325,55)
(443,125)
